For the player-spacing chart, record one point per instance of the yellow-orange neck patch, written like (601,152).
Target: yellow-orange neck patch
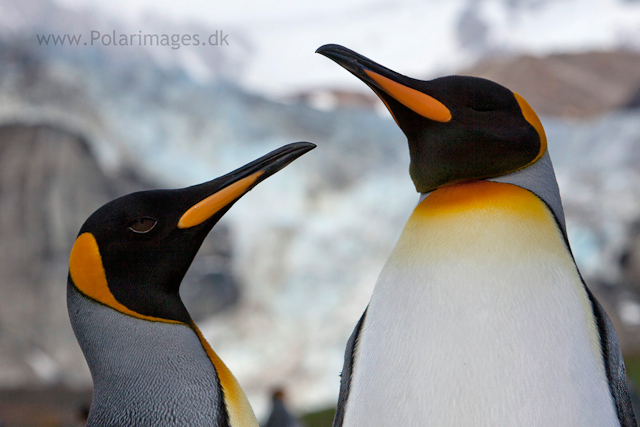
(88,276)
(474,195)
(238,407)
(479,222)
(533,119)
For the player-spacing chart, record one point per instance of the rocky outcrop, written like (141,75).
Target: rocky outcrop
(49,184)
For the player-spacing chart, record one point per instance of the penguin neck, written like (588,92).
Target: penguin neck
(540,179)
(476,212)
(137,365)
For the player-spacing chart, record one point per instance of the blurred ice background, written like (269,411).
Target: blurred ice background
(282,280)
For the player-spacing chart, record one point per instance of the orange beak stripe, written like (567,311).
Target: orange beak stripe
(418,102)
(205,209)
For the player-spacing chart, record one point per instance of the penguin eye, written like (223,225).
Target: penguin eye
(142,225)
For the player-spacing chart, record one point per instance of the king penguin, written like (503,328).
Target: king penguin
(480,316)
(149,362)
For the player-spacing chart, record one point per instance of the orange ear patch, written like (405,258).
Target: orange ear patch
(88,276)
(531,117)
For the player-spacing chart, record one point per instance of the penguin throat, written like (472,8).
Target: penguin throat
(88,276)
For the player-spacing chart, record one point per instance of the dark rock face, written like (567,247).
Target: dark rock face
(50,183)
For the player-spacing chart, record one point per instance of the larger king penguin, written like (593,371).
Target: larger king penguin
(149,362)
(480,316)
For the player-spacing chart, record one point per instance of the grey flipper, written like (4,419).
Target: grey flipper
(347,371)
(614,364)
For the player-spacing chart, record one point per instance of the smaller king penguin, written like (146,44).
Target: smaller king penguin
(149,362)
(479,317)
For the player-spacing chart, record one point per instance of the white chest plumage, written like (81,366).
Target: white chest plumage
(479,318)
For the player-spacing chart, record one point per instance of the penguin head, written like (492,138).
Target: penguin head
(459,128)
(132,253)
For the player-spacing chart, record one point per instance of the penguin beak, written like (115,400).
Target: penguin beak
(387,83)
(222,192)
